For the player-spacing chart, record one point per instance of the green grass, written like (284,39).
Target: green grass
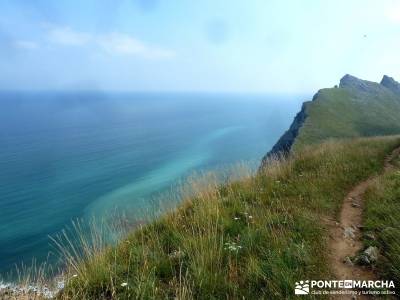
(248,239)
(348,113)
(382,218)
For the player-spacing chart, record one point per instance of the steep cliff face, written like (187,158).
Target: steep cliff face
(356,108)
(286,141)
(284,144)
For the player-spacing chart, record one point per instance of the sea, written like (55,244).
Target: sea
(71,155)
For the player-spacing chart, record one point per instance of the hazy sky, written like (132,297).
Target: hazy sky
(208,45)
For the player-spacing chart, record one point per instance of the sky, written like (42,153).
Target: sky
(245,46)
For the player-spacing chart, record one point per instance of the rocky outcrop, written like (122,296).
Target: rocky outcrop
(362,86)
(361,90)
(368,256)
(391,84)
(284,144)
(349,81)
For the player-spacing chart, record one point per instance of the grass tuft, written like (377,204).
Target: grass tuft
(382,219)
(251,238)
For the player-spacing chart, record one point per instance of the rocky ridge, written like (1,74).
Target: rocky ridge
(348,82)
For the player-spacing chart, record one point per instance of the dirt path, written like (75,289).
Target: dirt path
(345,236)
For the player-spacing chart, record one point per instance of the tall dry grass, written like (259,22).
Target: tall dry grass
(245,236)
(246,239)
(382,221)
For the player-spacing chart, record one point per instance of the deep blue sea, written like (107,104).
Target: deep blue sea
(70,155)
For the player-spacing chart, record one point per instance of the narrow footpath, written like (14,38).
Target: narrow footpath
(346,236)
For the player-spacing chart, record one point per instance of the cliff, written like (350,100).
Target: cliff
(356,108)
(286,141)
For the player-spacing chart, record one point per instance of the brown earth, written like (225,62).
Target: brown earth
(345,235)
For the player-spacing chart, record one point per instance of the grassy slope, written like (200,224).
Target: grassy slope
(247,240)
(382,218)
(349,112)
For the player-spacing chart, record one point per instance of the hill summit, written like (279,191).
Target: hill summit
(355,108)
(391,84)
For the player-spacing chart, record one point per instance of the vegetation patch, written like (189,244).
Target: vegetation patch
(248,239)
(382,224)
(349,112)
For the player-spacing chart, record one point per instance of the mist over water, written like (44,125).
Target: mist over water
(69,155)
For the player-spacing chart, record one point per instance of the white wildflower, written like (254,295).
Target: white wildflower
(232,246)
(124,284)
(60,284)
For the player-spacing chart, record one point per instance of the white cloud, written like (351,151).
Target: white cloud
(68,37)
(110,43)
(30,45)
(123,44)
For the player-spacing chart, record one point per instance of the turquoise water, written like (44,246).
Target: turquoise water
(70,155)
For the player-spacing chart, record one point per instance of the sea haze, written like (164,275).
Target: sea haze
(71,155)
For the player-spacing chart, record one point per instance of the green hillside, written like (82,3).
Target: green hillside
(354,109)
(382,220)
(250,239)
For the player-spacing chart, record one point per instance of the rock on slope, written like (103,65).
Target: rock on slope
(354,109)
(391,84)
